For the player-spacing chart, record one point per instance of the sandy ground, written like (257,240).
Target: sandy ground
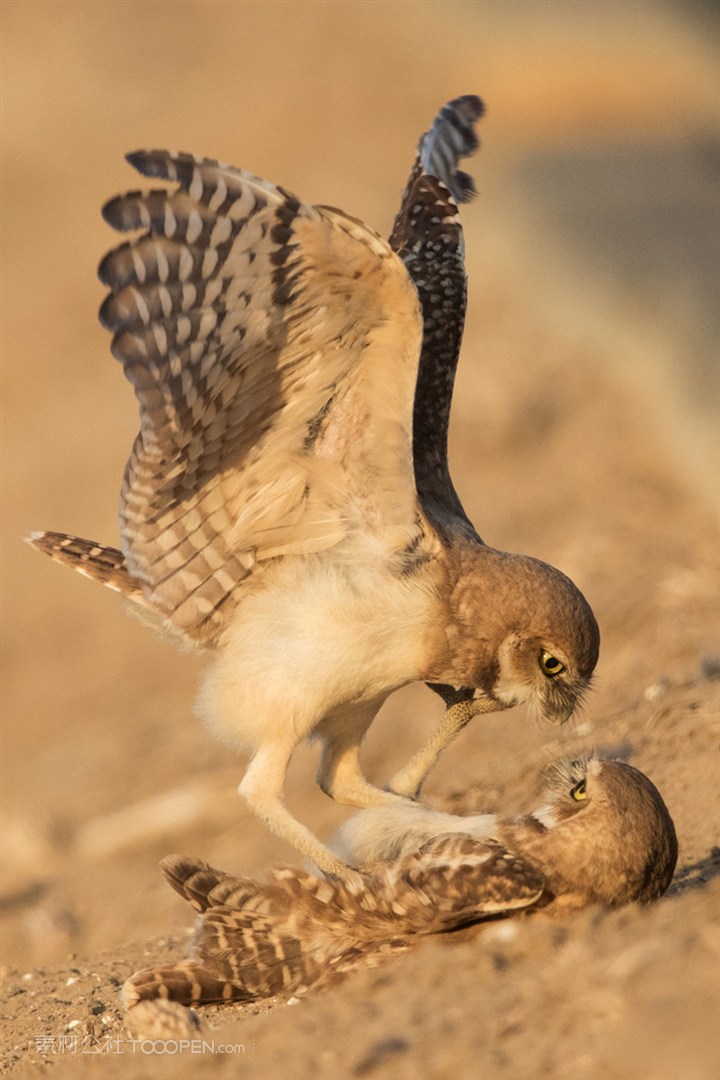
(584,432)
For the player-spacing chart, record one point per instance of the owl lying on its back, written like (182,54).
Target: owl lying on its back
(603,836)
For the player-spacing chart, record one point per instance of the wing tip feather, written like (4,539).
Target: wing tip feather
(451,137)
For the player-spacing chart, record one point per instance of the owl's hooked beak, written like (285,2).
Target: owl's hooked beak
(560,705)
(554,701)
(558,717)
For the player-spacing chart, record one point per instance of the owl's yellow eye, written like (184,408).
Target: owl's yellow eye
(550,664)
(579,793)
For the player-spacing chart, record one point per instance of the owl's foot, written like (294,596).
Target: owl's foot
(462,705)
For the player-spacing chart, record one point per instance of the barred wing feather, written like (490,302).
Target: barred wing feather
(273,348)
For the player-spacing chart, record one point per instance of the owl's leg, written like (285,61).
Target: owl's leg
(340,775)
(461,707)
(262,787)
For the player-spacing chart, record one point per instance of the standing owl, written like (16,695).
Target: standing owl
(287,504)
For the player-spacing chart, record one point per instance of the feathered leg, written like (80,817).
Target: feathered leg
(461,709)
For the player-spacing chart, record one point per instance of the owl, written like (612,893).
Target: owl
(602,835)
(287,505)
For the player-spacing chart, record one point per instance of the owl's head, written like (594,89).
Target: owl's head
(540,640)
(608,831)
(535,670)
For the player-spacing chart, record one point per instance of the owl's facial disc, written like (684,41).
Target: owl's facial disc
(569,788)
(540,674)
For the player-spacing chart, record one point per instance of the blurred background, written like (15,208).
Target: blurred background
(584,427)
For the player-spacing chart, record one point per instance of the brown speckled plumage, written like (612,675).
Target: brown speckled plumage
(287,503)
(612,842)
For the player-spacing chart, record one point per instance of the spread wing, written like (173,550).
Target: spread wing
(428,237)
(295,931)
(273,348)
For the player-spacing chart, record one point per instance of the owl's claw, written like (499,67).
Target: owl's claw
(462,705)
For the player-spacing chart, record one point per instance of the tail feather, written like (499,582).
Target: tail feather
(103,564)
(246,948)
(203,886)
(189,983)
